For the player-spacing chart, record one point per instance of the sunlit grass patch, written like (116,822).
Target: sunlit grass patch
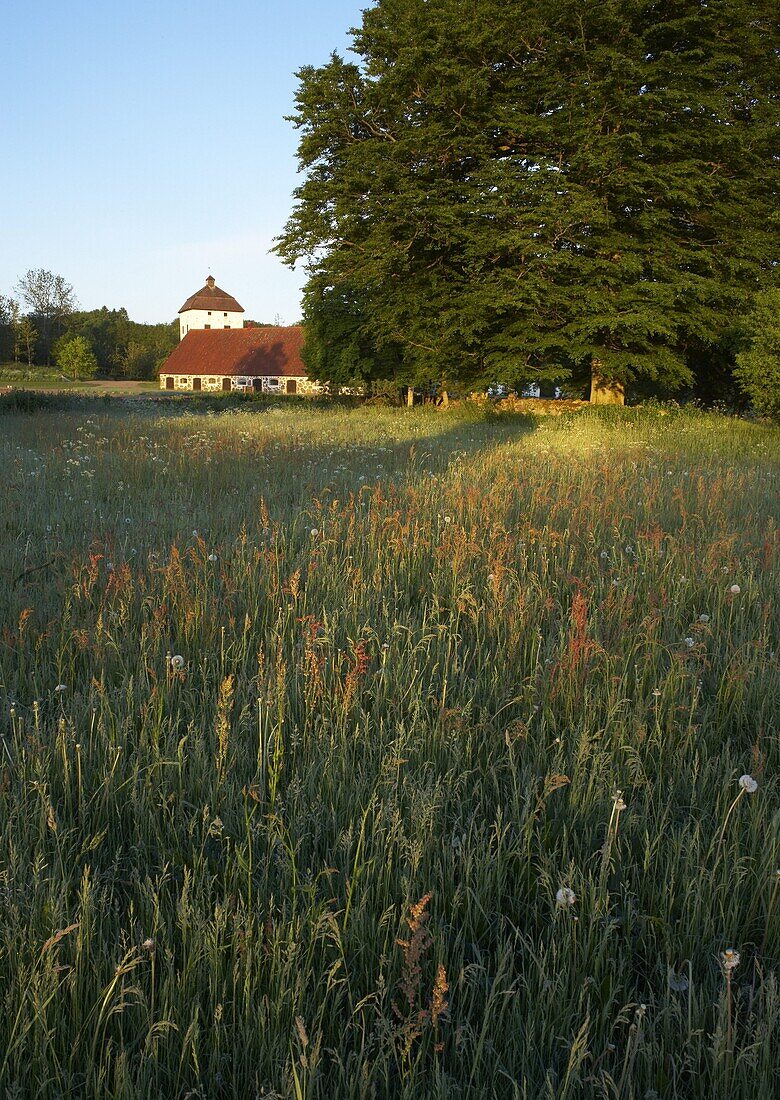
(364,752)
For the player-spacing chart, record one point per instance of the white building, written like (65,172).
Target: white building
(212,308)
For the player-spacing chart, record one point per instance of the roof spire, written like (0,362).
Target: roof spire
(209,280)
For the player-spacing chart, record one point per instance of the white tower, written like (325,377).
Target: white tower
(210,307)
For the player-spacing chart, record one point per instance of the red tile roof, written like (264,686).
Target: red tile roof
(269,351)
(211,297)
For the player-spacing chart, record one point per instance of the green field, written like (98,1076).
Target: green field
(51,380)
(315,721)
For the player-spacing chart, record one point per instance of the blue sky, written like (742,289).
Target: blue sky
(144,145)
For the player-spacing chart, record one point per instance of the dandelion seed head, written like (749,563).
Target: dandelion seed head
(565,897)
(729,959)
(678,983)
(690,642)
(735,590)
(748,783)
(60,688)
(177,662)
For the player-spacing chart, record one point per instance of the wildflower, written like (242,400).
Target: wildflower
(618,800)
(148,944)
(448,519)
(60,688)
(704,618)
(729,959)
(690,642)
(656,693)
(314,532)
(110,566)
(735,590)
(748,783)
(565,897)
(177,662)
(212,557)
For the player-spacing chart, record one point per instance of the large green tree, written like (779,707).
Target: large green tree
(50,299)
(515,190)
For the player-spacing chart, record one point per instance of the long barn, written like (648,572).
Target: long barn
(265,358)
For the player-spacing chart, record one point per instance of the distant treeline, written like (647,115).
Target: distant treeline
(42,326)
(111,343)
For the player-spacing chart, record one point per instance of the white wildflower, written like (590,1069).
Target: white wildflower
(60,688)
(704,618)
(177,662)
(565,897)
(735,590)
(690,642)
(748,783)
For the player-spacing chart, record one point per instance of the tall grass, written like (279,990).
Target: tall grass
(315,722)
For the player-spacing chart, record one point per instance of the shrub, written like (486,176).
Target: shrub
(75,357)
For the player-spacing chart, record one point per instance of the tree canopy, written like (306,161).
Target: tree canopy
(50,299)
(521,191)
(75,357)
(758,365)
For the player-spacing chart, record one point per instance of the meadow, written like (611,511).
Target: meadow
(364,753)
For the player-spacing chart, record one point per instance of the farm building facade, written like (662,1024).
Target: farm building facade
(265,358)
(218,352)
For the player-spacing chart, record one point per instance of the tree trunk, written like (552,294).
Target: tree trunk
(410,396)
(602,390)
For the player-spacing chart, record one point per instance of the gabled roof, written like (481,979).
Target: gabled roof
(211,297)
(265,351)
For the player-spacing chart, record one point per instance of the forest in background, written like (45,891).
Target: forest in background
(42,326)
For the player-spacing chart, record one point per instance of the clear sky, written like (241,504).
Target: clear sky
(143,145)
